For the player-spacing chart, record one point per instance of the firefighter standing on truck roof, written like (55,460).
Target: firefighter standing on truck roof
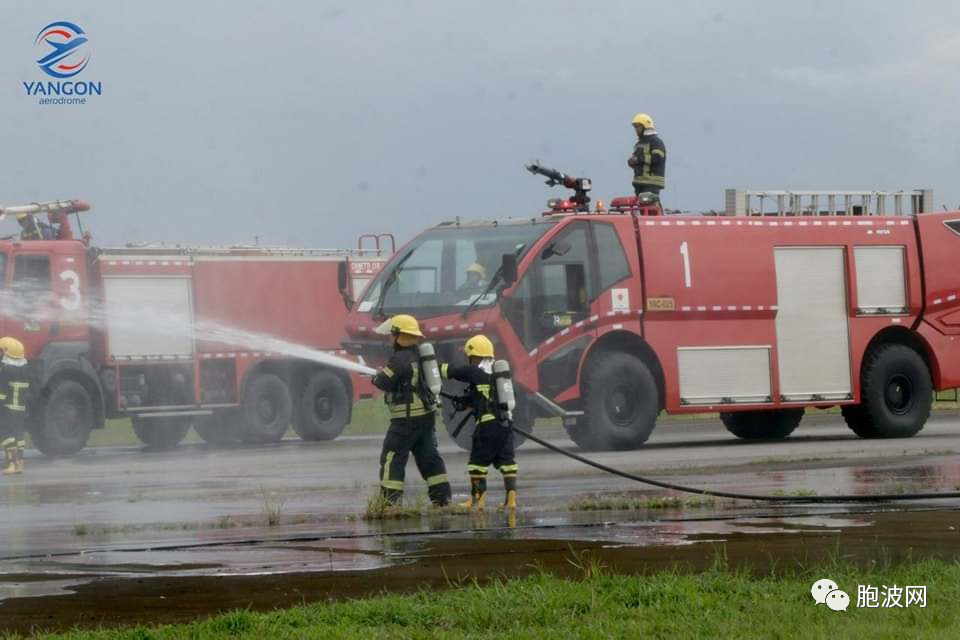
(14,386)
(649,159)
(493,437)
(412,417)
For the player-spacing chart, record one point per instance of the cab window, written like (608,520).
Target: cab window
(611,259)
(31,273)
(556,290)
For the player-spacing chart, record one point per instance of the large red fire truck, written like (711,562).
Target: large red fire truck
(119,332)
(784,300)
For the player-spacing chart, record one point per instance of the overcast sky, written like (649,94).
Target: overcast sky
(308,123)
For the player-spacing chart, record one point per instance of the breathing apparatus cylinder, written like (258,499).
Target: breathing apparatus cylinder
(429,368)
(503,383)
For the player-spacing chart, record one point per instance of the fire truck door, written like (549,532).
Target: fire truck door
(813,348)
(551,305)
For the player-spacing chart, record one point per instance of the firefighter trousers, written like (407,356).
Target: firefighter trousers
(418,436)
(12,430)
(492,445)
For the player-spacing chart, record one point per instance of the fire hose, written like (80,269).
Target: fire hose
(876,497)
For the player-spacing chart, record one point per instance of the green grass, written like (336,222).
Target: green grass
(718,603)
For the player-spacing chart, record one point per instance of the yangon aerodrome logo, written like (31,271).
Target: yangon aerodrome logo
(63,54)
(63,51)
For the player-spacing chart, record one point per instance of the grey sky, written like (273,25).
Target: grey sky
(310,123)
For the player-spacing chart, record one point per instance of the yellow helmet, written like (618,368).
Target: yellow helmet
(643,120)
(477,268)
(401,324)
(479,346)
(12,350)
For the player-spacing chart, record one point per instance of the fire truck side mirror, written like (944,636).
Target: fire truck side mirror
(508,268)
(342,284)
(559,248)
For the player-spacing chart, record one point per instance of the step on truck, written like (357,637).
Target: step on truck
(173,337)
(779,302)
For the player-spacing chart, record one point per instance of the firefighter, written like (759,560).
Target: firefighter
(649,159)
(29,229)
(14,386)
(493,438)
(412,417)
(476,279)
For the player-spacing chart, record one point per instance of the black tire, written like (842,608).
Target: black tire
(266,409)
(767,424)
(896,392)
(64,420)
(220,429)
(621,402)
(323,408)
(161,433)
(523,418)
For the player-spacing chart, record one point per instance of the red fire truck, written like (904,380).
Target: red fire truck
(120,332)
(782,301)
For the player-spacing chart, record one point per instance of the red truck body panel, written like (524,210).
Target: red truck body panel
(737,313)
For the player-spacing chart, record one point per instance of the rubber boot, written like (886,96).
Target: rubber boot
(20,449)
(478,494)
(392,497)
(510,490)
(440,495)
(11,457)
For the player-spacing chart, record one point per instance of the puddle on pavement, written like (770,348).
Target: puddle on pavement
(176,585)
(52,579)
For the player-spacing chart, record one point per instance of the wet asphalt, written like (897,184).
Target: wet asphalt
(173,535)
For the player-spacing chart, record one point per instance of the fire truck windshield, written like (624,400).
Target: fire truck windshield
(447,269)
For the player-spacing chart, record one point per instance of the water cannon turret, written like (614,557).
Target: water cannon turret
(580,201)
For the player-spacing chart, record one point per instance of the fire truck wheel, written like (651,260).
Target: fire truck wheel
(220,429)
(896,393)
(65,420)
(266,409)
(161,433)
(769,424)
(324,407)
(621,403)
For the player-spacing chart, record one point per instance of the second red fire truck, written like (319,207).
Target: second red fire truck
(781,302)
(220,339)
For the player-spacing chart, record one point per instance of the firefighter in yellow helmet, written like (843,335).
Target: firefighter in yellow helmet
(412,416)
(493,438)
(29,228)
(14,386)
(475,280)
(649,158)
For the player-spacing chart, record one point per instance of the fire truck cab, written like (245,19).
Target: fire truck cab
(608,318)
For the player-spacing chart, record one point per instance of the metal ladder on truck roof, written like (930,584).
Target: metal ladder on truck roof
(745,202)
